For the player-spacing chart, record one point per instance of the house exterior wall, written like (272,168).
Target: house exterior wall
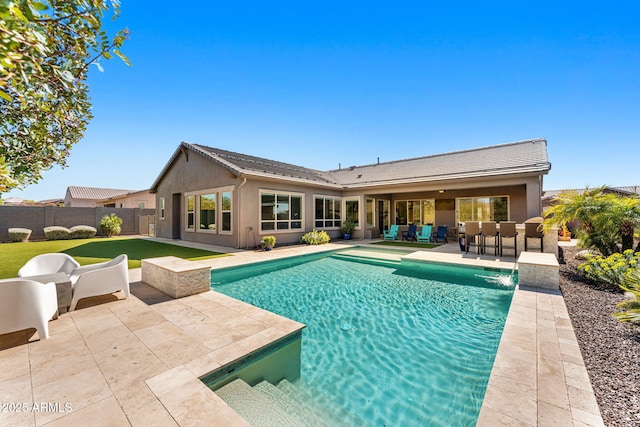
(192,172)
(132,200)
(521,206)
(70,202)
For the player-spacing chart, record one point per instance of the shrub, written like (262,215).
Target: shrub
(110,225)
(268,242)
(630,305)
(614,269)
(82,232)
(19,234)
(315,237)
(56,232)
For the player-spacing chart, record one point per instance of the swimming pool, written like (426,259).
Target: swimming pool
(389,345)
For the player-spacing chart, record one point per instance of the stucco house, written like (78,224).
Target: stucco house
(220,197)
(91,197)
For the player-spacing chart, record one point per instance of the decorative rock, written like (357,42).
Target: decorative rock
(583,255)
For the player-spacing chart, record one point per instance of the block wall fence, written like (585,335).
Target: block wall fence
(36,218)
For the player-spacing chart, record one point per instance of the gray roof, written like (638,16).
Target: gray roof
(93,193)
(624,191)
(243,163)
(504,159)
(528,156)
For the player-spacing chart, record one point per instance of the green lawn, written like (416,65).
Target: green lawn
(407,244)
(90,251)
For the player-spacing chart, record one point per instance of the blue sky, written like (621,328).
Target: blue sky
(334,83)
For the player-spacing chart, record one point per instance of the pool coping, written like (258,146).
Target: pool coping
(538,377)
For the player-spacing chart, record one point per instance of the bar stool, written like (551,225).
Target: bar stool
(472,235)
(532,230)
(489,231)
(508,231)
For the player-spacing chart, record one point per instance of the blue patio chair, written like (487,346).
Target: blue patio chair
(392,233)
(410,234)
(441,234)
(425,234)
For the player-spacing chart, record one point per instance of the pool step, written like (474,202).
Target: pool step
(254,407)
(319,403)
(305,412)
(371,256)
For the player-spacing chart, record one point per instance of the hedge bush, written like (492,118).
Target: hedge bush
(82,232)
(19,234)
(315,237)
(56,232)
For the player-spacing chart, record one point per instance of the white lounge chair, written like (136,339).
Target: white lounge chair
(48,264)
(100,279)
(27,304)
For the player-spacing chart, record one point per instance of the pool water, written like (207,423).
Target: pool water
(388,344)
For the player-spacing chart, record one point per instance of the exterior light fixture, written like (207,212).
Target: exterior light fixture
(441,191)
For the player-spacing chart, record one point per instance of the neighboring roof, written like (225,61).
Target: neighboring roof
(13,201)
(92,193)
(123,195)
(624,191)
(528,156)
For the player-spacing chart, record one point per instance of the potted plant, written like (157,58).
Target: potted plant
(347,229)
(268,242)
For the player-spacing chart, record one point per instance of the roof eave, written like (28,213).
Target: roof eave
(438,178)
(276,177)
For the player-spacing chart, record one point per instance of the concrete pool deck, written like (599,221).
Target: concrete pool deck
(137,361)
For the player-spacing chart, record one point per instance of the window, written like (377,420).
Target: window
(210,209)
(327,212)
(482,209)
(280,211)
(371,212)
(141,205)
(162,207)
(226,211)
(415,211)
(428,211)
(207,205)
(191,212)
(352,211)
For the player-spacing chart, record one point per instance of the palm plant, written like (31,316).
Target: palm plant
(605,220)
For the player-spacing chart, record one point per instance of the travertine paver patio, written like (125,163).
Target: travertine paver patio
(130,362)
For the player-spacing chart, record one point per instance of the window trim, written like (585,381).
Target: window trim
(473,198)
(344,209)
(230,210)
(420,203)
(199,210)
(373,212)
(336,199)
(162,207)
(186,212)
(275,221)
(218,218)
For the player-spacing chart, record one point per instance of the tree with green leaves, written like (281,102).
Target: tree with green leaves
(46,49)
(607,222)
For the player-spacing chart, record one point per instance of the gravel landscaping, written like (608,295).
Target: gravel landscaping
(611,350)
